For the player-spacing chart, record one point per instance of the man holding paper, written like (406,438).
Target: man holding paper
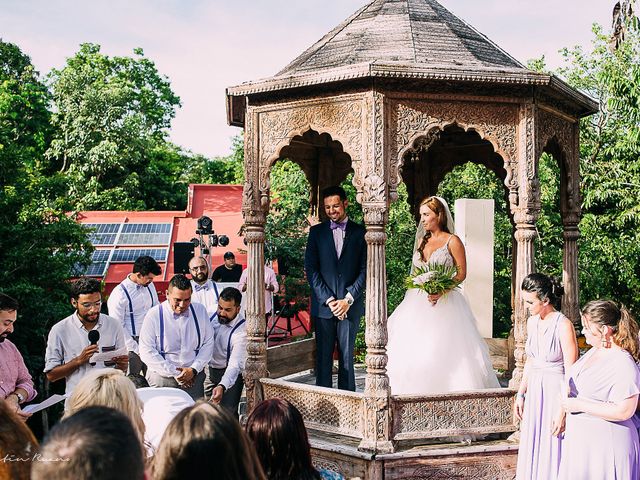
(16,385)
(86,339)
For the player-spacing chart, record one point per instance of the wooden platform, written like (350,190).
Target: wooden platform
(481,460)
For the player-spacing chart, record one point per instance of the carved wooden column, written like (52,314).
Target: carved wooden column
(570,220)
(254,222)
(525,255)
(377,406)
(525,215)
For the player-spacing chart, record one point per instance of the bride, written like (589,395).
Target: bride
(434,345)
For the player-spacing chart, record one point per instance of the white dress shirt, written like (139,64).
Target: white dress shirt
(207,295)
(142,299)
(69,337)
(180,340)
(238,349)
(269,279)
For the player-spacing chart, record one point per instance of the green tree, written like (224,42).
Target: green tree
(609,248)
(110,115)
(40,245)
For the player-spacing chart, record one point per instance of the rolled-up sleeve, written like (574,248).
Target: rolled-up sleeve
(54,355)
(237,360)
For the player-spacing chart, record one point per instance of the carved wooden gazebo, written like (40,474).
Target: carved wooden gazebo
(405,91)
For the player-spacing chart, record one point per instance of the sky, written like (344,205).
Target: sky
(204,46)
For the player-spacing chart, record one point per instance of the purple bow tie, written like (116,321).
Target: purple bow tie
(341,225)
(200,287)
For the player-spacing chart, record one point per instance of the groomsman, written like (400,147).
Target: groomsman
(129,303)
(335,263)
(176,340)
(205,291)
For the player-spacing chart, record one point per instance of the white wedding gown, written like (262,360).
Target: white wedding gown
(436,348)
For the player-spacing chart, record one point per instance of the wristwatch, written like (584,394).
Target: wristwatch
(349,300)
(21,397)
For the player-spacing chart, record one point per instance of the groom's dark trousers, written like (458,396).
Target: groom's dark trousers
(330,276)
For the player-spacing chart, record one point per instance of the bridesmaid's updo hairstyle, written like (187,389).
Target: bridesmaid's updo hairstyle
(436,207)
(545,288)
(621,321)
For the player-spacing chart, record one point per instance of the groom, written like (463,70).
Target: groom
(335,262)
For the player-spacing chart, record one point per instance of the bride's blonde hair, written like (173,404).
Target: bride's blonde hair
(436,207)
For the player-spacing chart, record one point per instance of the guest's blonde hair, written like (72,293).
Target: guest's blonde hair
(108,387)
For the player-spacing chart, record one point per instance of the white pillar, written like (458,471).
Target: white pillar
(474,226)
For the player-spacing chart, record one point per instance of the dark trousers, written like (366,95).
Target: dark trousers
(328,332)
(231,397)
(136,365)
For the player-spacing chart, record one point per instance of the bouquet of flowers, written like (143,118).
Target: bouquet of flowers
(435,279)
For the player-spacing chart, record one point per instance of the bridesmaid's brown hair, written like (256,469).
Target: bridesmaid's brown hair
(621,321)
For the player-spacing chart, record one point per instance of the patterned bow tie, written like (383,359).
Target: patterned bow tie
(200,287)
(341,225)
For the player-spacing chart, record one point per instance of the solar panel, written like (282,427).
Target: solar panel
(145,234)
(95,269)
(102,233)
(125,255)
(100,255)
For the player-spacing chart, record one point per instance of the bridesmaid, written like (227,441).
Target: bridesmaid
(551,348)
(601,440)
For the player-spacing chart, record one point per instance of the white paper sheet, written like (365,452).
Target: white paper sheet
(36,407)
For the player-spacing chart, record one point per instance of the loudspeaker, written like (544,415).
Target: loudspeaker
(182,254)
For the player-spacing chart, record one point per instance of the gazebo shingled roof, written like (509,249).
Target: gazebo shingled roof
(417,39)
(407,31)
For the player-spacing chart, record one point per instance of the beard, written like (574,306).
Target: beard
(89,317)
(3,337)
(225,320)
(200,277)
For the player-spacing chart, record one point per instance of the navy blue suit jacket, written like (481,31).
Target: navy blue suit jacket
(330,276)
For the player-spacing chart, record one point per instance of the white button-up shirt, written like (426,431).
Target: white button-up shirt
(69,337)
(207,295)
(269,279)
(238,347)
(180,340)
(142,299)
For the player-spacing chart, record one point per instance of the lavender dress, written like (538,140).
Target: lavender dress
(593,447)
(539,452)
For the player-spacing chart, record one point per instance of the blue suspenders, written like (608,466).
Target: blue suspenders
(133,323)
(195,319)
(215,314)
(229,341)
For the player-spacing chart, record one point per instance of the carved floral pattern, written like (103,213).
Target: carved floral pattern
(432,418)
(496,123)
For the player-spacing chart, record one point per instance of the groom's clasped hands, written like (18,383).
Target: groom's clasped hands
(339,308)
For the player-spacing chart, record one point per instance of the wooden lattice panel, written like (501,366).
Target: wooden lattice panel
(463,413)
(324,409)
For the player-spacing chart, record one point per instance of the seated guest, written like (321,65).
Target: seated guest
(205,441)
(108,388)
(277,430)
(229,271)
(96,443)
(17,445)
(176,340)
(161,404)
(229,352)
(69,348)
(16,385)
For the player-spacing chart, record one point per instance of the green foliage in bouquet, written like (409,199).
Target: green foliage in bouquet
(434,279)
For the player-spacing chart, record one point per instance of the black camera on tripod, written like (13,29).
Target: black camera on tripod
(205,229)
